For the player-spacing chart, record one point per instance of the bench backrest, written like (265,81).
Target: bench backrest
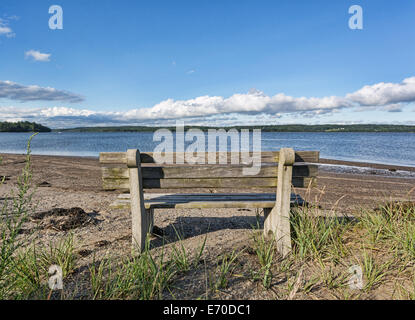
(115,172)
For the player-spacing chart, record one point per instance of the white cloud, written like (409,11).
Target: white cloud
(5,29)
(252,102)
(242,108)
(65,112)
(38,56)
(382,94)
(14,91)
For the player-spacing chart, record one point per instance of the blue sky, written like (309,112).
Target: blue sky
(207,62)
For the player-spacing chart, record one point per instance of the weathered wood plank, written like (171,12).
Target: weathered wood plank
(207,196)
(113,157)
(234,183)
(266,156)
(300,156)
(207,171)
(116,184)
(115,173)
(125,205)
(259,200)
(225,204)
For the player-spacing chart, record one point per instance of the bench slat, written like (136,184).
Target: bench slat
(113,157)
(266,156)
(203,196)
(189,201)
(207,171)
(234,183)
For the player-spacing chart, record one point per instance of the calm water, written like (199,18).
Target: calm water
(388,148)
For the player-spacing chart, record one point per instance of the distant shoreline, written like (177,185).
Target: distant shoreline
(291,128)
(267,128)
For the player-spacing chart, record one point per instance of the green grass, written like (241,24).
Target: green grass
(182,258)
(31,267)
(392,225)
(180,255)
(13,215)
(373,272)
(226,265)
(141,277)
(265,250)
(317,237)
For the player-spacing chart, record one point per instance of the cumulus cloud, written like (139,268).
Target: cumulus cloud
(252,102)
(22,93)
(37,56)
(391,97)
(387,96)
(382,94)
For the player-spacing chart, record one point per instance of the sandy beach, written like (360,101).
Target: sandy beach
(67,182)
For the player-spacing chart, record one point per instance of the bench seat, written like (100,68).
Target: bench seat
(205,200)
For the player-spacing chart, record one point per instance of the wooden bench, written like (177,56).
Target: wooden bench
(135,172)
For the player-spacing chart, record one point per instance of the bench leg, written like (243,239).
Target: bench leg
(142,226)
(277,226)
(139,216)
(150,220)
(268,231)
(277,219)
(139,221)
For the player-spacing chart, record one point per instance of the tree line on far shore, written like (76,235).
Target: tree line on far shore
(264,128)
(23,126)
